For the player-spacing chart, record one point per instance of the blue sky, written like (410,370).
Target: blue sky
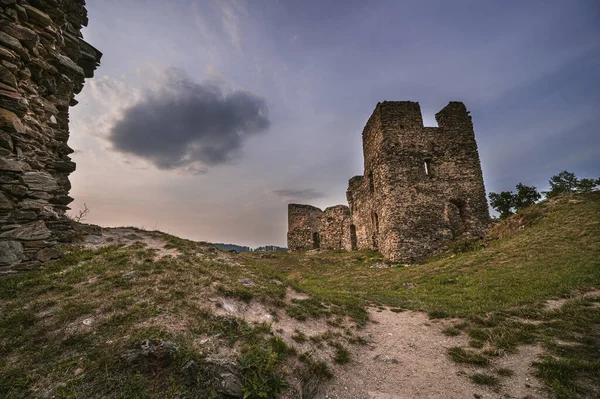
(207,117)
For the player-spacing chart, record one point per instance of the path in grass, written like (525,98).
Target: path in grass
(408,359)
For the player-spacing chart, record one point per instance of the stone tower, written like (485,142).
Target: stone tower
(422,187)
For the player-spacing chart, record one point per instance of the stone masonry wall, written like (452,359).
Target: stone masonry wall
(334,230)
(422,186)
(304,223)
(43,64)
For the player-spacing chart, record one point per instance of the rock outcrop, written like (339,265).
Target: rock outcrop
(43,64)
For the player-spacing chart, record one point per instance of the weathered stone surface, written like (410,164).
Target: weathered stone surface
(9,55)
(31,231)
(11,165)
(6,141)
(43,61)
(24,215)
(37,16)
(39,181)
(16,190)
(34,204)
(422,187)
(23,34)
(151,355)
(7,77)
(304,223)
(13,101)
(24,266)
(227,377)
(5,204)
(10,121)
(64,166)
(13,44)
(48,254)
(86,229)
(11,252)
(66,65)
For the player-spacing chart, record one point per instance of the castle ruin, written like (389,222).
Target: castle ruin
(422,188)
(43,63)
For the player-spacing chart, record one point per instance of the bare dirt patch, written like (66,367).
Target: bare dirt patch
(407,359)
(554,304)
(130,236)
(282,324)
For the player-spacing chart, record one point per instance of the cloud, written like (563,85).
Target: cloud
(298,194)
(231,22)
(183,125)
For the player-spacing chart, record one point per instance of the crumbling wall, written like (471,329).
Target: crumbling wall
(422,186)
(304,223)
(433,189)
(334,229)
(43,64)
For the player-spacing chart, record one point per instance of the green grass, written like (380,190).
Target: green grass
(461,355)
(558,252)
(451,331)
(485,379)
(341,355)
(131,295)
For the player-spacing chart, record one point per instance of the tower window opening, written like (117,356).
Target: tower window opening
(427,165)
(375,221)
(316,241)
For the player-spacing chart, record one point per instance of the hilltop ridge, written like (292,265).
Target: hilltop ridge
(134,313)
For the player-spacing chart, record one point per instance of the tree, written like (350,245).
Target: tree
(503,203)
(567,183)
(525,196)
(506,201)
(562,183)
(587,185)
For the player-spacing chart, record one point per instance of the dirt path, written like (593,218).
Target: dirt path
(408,360)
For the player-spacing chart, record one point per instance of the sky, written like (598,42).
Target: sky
(206,117)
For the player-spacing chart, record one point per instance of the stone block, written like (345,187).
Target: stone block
(10,122)
(7,76)
(48,254)
(29,232)
(37,16)
(14,45)
(25,35)
(39,181)
(11,165)
(5,203)
(10,252)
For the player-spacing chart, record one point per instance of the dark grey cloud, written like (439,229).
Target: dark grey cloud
(298,194)
(185,125)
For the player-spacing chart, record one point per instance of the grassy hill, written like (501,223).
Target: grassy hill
(143,318)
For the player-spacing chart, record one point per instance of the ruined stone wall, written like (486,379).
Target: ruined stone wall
(304,222)
(334,229)
(432,188)
(422,186)
(43,64)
